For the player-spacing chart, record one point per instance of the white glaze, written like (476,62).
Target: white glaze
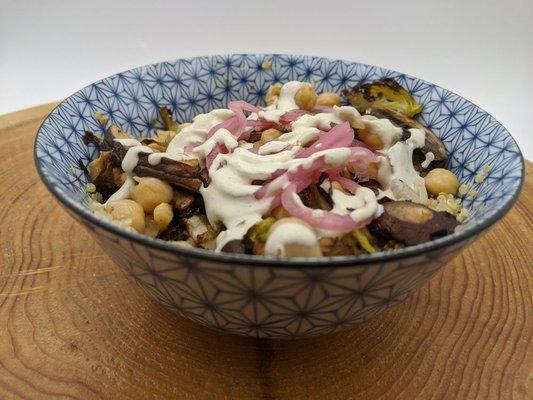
(284,103)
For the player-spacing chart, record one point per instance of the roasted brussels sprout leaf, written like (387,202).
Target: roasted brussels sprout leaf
(432,144)
(412,223)
(259,232)
(168,121)
(386,93)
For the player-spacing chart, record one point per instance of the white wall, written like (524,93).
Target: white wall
(480,49)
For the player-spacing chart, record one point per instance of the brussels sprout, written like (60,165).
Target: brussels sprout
(386,93)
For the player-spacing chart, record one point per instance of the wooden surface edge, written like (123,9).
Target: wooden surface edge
(26,116)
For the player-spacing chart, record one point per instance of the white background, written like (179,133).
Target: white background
(482,50)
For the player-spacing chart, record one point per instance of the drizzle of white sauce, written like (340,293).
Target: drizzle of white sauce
(300,136)
(289,232)
(360,206)
(284,103)
(130,160)
(196,133)
(430,157)
(275,146)
(307,128)
(384,129)
(222,136)
(397,175)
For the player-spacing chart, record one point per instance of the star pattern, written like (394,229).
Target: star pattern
(259,300)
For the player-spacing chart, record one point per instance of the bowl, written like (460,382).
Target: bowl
(263,296)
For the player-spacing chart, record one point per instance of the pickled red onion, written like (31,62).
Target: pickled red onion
(320,219)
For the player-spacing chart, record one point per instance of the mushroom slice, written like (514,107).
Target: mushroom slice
(412,223)
(186,174)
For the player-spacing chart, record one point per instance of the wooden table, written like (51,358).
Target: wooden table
(72,326)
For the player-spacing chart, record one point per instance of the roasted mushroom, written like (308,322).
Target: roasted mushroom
(412,223)
(109,143)
(183,202)
(432,144)
(185,174)
(387,94)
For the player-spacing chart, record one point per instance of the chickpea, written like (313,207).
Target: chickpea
(370,139)
(127,211)
(267,136)
(270,134)
(329,99)
(306,97)
(296,248)
(151,192)
(372,168)
(440,180)
(273,93)
(163,214)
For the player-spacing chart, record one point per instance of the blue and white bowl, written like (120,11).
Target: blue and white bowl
(262,296)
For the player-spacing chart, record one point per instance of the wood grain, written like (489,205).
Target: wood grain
(72,326)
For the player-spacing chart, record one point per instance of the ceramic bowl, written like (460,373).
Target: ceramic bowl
(261,296)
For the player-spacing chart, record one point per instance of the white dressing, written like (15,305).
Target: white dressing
(292,232)
(130,160)
(196,133)
(397,175)
(384,129)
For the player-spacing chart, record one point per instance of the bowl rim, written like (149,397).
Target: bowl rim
(269,261)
